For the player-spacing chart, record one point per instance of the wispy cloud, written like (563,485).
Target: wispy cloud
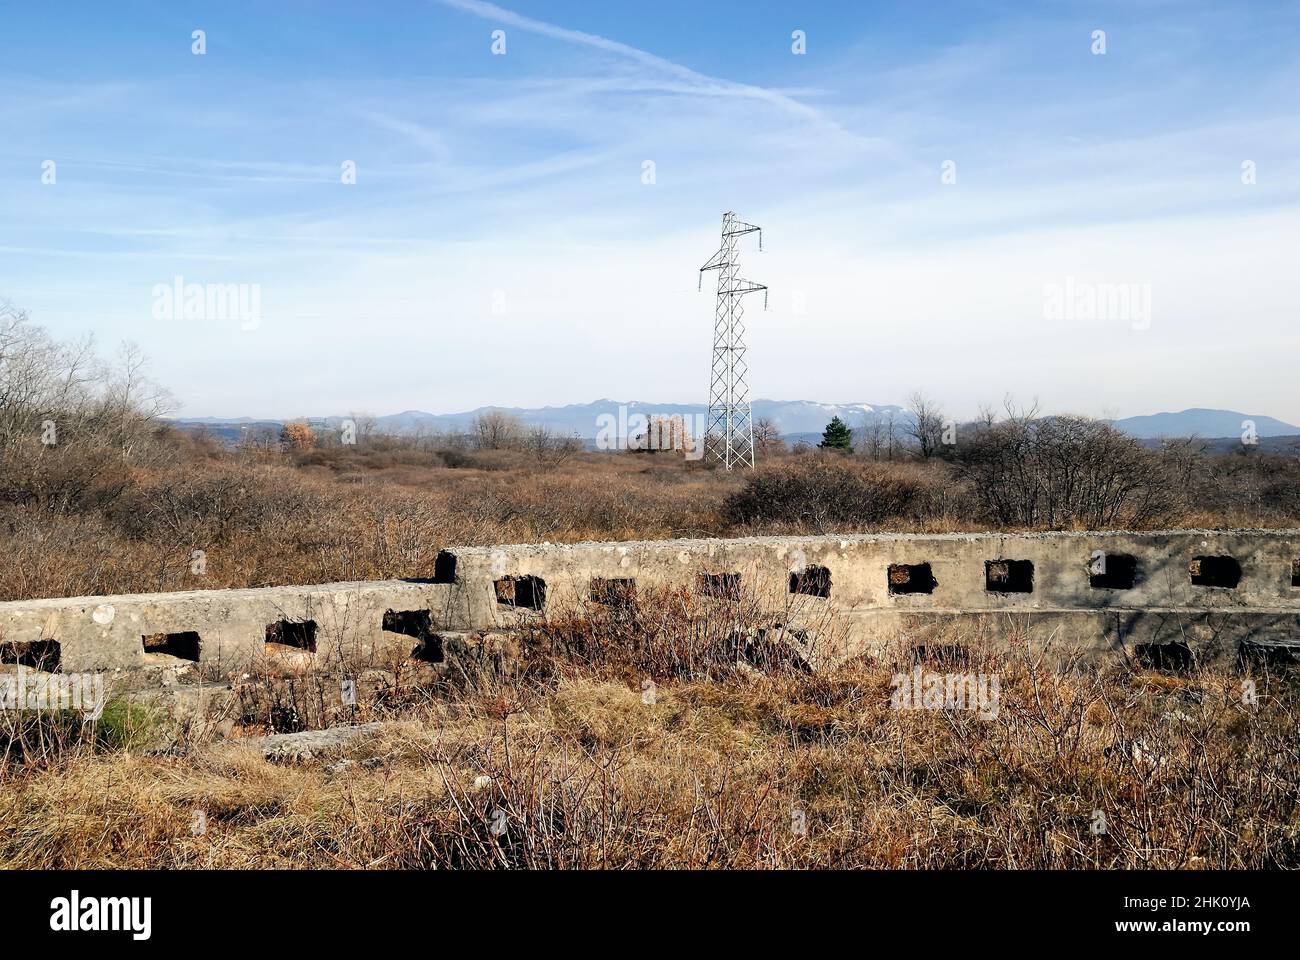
(692,81)
(525,177)
(426,139)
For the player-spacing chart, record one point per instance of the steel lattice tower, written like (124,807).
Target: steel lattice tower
(730,434)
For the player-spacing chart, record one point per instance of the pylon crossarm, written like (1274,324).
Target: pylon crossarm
(717,261)
(743,286)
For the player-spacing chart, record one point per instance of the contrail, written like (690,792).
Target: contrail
(699,82)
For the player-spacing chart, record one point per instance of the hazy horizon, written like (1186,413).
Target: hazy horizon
(1191,421)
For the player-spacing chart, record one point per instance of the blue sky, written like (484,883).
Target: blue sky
(501,245)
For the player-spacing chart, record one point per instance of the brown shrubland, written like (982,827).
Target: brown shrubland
(660,731)
(76,519)
(662,735)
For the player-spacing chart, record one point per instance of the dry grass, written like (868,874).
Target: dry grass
(264,519)
(558,759)
(78,522)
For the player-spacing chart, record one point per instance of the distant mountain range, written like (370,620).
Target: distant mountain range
(585,419)
(791,417)
(1203,423)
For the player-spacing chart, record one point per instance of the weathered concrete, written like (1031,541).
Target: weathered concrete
(310,744)
(107,633)
(1162,605)
(873,585)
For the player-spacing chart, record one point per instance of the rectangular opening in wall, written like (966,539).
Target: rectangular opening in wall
(1295,573)
(1269,654)
(417,624)
(429,650)
(1221,571)
(527,593)
(613,592)
(411,623)
(1112,571)
(911,578)
(183,645)
(1176,656)
(37,654)
(1009,576)
(293,633)
(444,567)
(813,582)
(720,586)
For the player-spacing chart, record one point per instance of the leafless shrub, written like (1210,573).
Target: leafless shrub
(1064,471)
(767,438)
(823,492)
(926,427)
(678,634)
(497,430)
(881,438)
(548,448)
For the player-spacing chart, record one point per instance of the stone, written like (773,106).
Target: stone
(310,745)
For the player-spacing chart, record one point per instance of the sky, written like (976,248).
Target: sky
(967,199)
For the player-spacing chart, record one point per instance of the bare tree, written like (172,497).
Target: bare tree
(927,424)
(767,438)
(364,424)
(549,448)
(259,439)
(61,390)
(871,439)
(1021,414)
(890,435)
(497,430)
(41,379)
(72,428)
(1184,456)
(130,403)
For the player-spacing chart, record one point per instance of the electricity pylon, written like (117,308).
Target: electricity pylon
(730,434)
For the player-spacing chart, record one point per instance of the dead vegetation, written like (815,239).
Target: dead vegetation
(657,731)
(667,738)
(74,521)
(98,495)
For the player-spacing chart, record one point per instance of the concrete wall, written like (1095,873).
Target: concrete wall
(106,633)
(1162,605)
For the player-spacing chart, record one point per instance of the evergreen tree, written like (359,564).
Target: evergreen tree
(837,436)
